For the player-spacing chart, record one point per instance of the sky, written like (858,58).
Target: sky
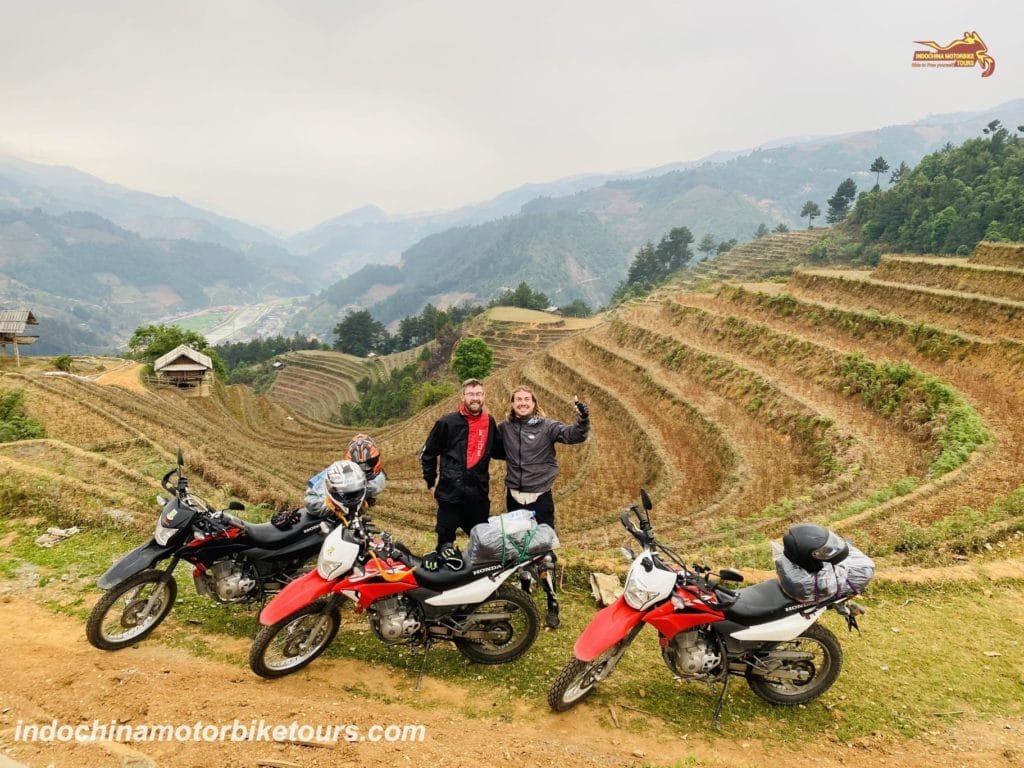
(286,113)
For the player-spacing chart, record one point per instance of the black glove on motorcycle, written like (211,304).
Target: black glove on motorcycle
(582,410)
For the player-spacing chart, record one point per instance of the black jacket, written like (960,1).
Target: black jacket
(447,441)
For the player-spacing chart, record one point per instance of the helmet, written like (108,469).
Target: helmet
(363,451)
(345,486)
(810,546)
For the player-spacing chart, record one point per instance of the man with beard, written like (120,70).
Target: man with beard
(465,441)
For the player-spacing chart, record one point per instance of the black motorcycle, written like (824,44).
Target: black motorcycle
(233,561)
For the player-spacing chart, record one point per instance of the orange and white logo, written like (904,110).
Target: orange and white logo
(968,51)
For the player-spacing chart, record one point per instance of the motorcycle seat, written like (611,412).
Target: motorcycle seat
(269,536)
(760,603)
(445,578)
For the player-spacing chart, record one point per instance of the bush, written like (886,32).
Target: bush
(14,424)
(63,363)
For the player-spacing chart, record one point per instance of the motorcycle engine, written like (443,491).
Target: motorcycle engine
(227,581)
(694,655)
(396,618)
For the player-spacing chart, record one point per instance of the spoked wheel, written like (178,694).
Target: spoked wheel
(578,678)
(797,671)
(131,610)
(293,642)
(500,629)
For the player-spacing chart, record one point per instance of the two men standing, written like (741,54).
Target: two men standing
(467,439)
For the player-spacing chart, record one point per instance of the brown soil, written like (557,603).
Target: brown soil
(59,676)
(126,376)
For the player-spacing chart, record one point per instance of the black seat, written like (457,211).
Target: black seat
(269,536)
(445,578)
(761,603)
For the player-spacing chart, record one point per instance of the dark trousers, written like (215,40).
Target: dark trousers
(544,506)
(454,515)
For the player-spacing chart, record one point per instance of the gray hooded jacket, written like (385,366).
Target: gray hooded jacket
(530,450)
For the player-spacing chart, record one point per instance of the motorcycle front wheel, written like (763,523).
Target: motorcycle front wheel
(578,678)
(131,610)
(801,670)
(500,629)
(294,641)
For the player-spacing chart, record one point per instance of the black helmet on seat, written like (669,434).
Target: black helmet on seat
(811,546)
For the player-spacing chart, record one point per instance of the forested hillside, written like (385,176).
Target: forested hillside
(953,199)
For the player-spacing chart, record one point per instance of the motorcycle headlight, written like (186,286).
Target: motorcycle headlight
(164,535)
(337,555)
(644,587)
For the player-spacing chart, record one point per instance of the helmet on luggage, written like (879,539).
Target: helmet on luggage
(363,450)
(345,486)
(811,546)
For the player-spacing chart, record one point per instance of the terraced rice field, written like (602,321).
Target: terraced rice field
(885,404)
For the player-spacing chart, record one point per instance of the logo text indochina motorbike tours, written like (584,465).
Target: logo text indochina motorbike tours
(969,51)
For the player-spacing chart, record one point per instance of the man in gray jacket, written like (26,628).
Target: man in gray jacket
(531,468)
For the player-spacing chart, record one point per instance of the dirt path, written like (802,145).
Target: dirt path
(52,673)
(126,376)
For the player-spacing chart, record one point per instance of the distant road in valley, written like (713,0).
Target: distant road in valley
(241,322)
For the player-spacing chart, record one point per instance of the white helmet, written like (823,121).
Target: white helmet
(345,484)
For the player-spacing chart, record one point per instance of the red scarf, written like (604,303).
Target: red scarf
(477,442)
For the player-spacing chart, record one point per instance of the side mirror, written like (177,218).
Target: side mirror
(181,459)
(161,501)
(628,554)
(237,506)
(645,500)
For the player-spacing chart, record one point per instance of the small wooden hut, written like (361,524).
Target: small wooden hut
(185,367)
(12,330)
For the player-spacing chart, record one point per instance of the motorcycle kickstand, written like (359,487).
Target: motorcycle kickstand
(715,722)
(423,664)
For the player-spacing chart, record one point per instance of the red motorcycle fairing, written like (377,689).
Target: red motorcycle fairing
(372,585)
(609,625)
(295,595)
(669,620)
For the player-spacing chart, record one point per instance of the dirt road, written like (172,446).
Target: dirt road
(49,672)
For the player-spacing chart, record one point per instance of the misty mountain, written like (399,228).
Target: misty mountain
(89,274)
(59,189)
(727,197)
(369,235)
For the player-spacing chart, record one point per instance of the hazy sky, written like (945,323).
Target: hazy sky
(286,113)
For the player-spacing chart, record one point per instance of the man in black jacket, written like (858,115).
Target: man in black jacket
(465,441)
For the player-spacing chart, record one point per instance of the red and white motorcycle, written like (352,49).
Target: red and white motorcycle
(707,631)
(489,621)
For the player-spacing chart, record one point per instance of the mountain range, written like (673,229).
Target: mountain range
(94,259)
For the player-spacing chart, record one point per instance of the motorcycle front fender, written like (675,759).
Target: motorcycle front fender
(136,561)
(609,626)
(296,594)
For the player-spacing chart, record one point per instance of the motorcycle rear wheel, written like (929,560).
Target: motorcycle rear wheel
(506,638)
(116,621)
(294,641)
(578,678)
(815,675)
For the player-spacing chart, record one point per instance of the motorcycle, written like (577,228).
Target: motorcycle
(489,621)
(234,561)
(708,632)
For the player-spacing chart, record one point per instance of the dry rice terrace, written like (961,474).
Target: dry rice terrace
(883,403)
